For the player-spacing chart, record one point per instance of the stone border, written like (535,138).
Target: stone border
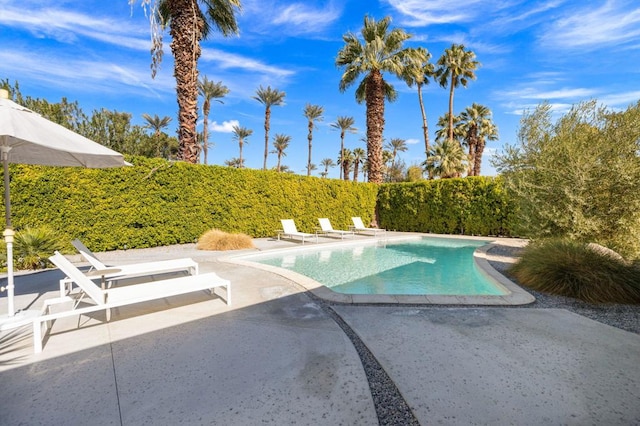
(515,296)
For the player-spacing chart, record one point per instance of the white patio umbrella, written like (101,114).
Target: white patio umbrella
(28,138)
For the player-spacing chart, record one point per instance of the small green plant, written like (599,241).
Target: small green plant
(33,246)
(573,269)
(215,239)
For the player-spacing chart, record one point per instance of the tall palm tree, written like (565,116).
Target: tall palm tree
(240,134)
(359,157)
(395,146)
(446,159)
(156,124)
(188,24)
(381,52)
(345,161)
(280,143)
(420,73)
(442,131)
(456,67)
(478,128)
(326,163)
(313,113)
(209,91)
(345,124)
(268,97)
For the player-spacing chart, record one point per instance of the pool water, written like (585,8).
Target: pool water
(442,266)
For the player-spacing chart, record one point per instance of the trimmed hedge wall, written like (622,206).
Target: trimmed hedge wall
(157,203)
(470,206)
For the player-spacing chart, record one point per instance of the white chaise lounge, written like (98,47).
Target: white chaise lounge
(289,230)
(105,299)
(359,227)
(326,228)
(128,271)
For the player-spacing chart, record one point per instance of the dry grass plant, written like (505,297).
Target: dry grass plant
(218,240)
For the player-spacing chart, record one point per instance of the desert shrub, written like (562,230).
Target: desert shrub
(569,268)
(215,239)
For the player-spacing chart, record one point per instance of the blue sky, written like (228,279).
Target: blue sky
(560,51)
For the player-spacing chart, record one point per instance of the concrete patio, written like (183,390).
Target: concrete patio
(276,356)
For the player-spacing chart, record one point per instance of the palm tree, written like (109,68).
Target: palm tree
(345,161)
(359,157)
(326,163)
(280,143)
(442,131)
(313,113)
(456,67)
(240,134)
(478,127)
(268,97)
(381,52)
(234,162)
(446,159)
(387,157)
(396,145)
(209,91)
(345,124)
(189,24)
(156,124)
(420,73)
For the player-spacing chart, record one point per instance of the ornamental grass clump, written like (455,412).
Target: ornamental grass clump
(577,270)
(215,239)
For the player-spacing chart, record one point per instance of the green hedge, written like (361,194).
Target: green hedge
(156,202)
(471,206)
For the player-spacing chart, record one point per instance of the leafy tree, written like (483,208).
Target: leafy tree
(414,174)
(478,128)
(312,113)
(419,72)
(359,157)
(209,91)
(280,144)
(381,51)
(326,163)
(268,97)
(188,24)
(446,159)
(240,134)
(578,176)
(456,67)
(345,124)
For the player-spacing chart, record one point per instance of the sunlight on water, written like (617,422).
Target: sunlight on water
(425,266)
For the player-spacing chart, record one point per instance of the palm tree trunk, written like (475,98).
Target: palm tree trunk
(205,134)
(341,151)
(267,118)
(478,157)
(451,109)
(278,167)
(356,166)
(425,127)
(186,29)
(240,158)
(310,138)
(375,124)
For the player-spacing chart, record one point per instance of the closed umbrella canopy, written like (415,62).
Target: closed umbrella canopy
(28,138)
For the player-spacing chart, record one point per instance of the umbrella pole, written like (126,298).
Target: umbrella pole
(8,232)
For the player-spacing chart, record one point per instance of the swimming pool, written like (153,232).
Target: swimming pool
(423,266)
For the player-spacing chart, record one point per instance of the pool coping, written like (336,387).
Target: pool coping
(516,295)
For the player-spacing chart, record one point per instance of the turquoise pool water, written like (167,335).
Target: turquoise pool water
(442,266)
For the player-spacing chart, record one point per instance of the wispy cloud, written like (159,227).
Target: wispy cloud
(563,93)
(615,22)
(420,13)
(291,19)
(227,60)
(412,141)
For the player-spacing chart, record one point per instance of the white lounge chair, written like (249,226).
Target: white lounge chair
(105,299)
(325,226)
(359,227)
(289,230)
(114,272)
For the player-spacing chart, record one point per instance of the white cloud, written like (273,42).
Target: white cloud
(225,127)
(412,141)
(227,60)
(422,13)
(563,93)
(291,19)
(614,23)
